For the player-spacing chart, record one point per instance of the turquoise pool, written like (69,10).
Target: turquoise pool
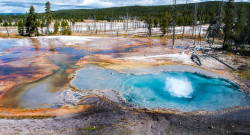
(178,90)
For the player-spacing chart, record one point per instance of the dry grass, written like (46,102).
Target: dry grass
(245,74)
(12,35)
(242,71)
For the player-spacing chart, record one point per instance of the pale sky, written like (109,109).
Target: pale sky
(21,6)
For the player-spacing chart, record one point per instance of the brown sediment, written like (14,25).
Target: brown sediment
(32,69)
(116,64)
(41,113)
(108,61)
(69,71)
(17,80)
(5,85)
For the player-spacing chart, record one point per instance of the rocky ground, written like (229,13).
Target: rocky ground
(108,119)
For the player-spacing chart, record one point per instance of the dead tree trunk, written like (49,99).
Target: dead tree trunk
(95,29)
(174,22)
(183,30)
(48,28)
(194,23)
(127,20)
(7,31)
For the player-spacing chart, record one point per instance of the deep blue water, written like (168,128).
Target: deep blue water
(180,90)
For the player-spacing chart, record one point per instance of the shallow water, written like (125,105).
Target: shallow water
(41,93)
(179,90)
(7,43)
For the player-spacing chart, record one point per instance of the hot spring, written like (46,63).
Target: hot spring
(177,90)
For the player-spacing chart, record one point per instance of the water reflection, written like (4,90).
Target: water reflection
(51,45)
(36,44)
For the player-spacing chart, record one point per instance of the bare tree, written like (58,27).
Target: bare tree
(194,23)
(5,24)
(149,23)
(174,21)
(127,20)
(183,29)
(48,16)
(201,21)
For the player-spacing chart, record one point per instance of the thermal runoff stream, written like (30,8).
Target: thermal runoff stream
(176,90)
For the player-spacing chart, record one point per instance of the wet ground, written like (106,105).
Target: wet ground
(36,73)
(41,66)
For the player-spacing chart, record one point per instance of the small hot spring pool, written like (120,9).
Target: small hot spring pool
(179,90)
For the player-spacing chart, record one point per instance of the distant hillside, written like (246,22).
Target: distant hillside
(209,8)
(209,11)
(11,13)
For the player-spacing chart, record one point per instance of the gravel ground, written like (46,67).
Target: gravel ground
(106,118)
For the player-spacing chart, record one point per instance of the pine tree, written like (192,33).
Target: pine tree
(229,21)
(248,29)
(5,24)
(48,16)
(56,27)
(10,22)
(38,24)
(64,24)
(240,29)
(164,24)
(149,22)
(31,24)
(65,29)
(180,21)
(20,26)
(156,22)
(42,24)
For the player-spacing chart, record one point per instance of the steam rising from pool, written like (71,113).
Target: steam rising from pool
(179,87)
(178,90)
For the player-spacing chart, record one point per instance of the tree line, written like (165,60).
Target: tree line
(28,24)
(228,20)
(138,12)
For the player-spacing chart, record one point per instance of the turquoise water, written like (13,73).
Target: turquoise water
(179,90)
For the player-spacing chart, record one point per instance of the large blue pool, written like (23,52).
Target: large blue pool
(179,90)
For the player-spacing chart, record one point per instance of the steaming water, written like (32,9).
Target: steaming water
(179,87)
(180,90)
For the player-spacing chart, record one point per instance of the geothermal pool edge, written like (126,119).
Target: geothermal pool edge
(164,68)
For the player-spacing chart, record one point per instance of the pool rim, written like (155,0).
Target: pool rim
(129,105)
